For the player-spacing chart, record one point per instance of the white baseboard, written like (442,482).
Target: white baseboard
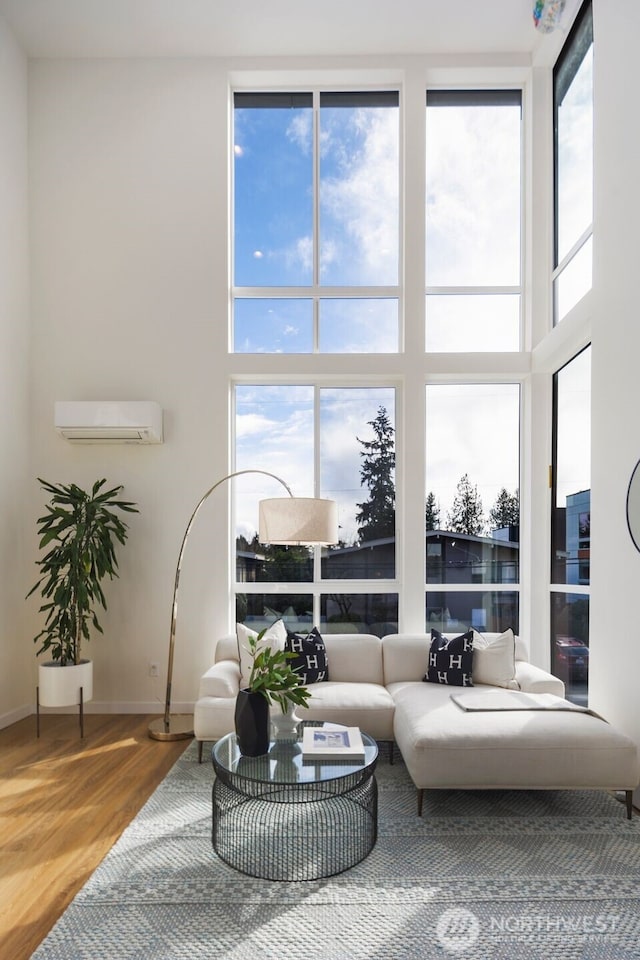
(95,706)
(12,716)
(120,706)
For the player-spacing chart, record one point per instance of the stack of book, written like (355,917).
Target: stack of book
(332,741)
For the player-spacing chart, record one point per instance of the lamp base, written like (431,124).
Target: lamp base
(175,728)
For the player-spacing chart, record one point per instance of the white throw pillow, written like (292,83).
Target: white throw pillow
(522,650)
(275,638)
(494,660)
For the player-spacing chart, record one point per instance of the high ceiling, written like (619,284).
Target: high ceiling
(122,28)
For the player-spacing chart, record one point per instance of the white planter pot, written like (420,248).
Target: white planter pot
(60,686)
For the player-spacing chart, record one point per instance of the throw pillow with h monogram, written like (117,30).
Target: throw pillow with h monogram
(310,659)
(450,661)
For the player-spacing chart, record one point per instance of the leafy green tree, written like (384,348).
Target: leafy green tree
(431,512)
(506,510)
(376,516)
(466,514)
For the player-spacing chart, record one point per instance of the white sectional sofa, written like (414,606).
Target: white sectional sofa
(377,684)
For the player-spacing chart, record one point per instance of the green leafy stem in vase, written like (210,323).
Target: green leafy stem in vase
(273,676)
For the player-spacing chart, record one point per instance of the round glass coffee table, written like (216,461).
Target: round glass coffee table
(283,817)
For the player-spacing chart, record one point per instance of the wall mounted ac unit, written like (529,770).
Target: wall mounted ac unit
(109,421)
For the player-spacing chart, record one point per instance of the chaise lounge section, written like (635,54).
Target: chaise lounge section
(446,747)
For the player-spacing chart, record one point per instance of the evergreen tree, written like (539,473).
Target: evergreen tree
(466,514)
(248,546)
(376,516)
(506,510)
(431,512)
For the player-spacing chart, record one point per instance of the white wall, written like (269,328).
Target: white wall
(129,294)
(129,299)
(615,565)
(15,687)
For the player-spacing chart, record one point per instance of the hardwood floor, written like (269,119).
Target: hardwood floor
(63,803)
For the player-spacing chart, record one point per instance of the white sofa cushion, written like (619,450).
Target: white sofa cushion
(522,649)
(227,648)
(444,746)
(405,656)
(494,659)
(213,717)
(535,680)
(365,705)
(356,658)
(221,680)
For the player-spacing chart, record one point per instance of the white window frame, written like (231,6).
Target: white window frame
(412,368)
(579,242)
(520,288)
(316,292)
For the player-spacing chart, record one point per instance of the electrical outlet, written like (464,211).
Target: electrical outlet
(154,669)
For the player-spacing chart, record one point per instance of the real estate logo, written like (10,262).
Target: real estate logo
(457,929)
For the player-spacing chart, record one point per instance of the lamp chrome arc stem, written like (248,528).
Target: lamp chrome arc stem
(181,727)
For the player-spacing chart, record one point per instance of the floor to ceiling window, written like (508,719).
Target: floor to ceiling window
(573,152)
(474,301)
(316,270)
(571,525)
(571,426)
(329,395)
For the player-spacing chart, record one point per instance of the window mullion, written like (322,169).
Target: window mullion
(580,242)
(471,291)
(344,293)
(316,188)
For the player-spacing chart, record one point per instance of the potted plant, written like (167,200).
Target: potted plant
(80,530)
(272,680)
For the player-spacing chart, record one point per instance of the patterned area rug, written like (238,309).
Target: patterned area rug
(483,875)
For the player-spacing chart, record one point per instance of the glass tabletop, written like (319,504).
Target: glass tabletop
(285,763)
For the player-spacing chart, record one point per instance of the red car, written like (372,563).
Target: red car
(571,661)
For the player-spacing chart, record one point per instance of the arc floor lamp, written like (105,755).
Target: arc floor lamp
(292,521)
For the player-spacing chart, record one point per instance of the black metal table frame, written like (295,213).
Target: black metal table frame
(277,827)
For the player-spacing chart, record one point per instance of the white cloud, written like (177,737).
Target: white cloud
(359,198)
(473,199)
(473,322)
(275,432)
(300,130)
(472,429)
(300,253)
(359,325)
(575,158)
(251,425)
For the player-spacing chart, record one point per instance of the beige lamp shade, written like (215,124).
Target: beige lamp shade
(296,520)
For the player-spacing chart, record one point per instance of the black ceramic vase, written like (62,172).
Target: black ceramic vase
(252,723)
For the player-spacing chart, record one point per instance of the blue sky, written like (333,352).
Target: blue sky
(473,237)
